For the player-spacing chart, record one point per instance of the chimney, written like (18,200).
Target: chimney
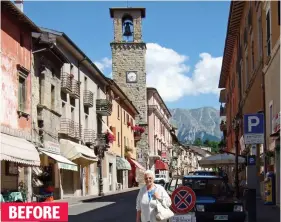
(19,4)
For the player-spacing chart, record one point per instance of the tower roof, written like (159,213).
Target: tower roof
(142,10)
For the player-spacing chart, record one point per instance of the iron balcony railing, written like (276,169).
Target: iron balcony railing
(104,107)
(66,82)
(75,89)
(70,128)
(89,136)
(88,98)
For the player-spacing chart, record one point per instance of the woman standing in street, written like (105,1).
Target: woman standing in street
(145,212)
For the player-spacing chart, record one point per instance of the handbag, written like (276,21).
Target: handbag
(163,213)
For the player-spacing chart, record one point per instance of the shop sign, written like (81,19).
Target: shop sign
(276,123)
(51,147)
(67,166)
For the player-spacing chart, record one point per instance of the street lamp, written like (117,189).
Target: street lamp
(100,148)
(236,127)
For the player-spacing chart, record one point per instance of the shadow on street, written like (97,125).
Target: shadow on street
(116,208)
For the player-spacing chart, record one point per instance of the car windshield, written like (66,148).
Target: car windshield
(204,173)
(207,187)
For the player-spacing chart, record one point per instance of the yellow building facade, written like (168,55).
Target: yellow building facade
(121,123)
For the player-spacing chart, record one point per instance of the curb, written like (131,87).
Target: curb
(75,200)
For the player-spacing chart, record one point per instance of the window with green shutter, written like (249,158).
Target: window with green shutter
(22,93)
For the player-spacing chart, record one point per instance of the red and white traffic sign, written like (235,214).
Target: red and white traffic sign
(183,200)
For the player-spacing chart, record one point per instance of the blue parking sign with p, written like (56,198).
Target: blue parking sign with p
(253,123)
(254,128)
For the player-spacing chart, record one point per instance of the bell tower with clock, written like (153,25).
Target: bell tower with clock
(128,63)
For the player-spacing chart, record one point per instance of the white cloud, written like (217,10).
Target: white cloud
(167,72)
(104,63)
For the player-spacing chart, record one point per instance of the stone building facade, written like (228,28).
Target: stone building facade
(17,153)
(128,66)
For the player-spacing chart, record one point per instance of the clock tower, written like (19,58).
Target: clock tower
(128,65)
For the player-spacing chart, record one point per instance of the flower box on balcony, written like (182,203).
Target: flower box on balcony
(139,129)
(109,138)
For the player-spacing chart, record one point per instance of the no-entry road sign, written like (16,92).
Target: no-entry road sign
(183,200)
(254,128)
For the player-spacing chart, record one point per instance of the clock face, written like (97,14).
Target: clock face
(131,77)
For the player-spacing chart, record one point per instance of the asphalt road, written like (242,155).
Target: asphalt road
(116,208)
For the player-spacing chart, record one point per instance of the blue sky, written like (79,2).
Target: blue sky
(177,34)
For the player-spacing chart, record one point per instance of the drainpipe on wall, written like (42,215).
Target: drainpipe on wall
(28,170)
(121,128)
(79,125)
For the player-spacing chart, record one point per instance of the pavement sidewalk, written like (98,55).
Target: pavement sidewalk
(267,213)
(75,200)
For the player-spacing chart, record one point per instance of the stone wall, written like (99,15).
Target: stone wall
(47,74)
(131,57)
(118,26)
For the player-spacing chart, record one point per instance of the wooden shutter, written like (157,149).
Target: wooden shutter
(114,132)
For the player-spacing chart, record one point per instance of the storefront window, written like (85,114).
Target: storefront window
(11,168)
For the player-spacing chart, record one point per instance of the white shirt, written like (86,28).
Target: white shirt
(147,212)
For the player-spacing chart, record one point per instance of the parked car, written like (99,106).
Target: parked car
(214,198)
(204,172)
(161,179)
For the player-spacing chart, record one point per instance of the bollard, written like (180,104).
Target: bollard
(251,203)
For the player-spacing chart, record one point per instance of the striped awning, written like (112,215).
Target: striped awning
(122,164)
(63,163)
(136,164)
(18,150)
(77,153)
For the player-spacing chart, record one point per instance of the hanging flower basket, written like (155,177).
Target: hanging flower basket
(139,129)
(109,138)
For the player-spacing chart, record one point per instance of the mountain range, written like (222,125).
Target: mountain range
(203,123)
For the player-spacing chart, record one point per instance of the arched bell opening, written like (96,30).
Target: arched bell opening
(128,28)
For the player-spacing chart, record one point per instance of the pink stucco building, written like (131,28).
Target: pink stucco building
(159,128)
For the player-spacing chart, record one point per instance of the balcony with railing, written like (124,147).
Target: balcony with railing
(223,126)
(89,136)
(101,137)
(66,82)
(137,136)
(104,107)
(88,98)
(223,110)
(69,128)
(75,89)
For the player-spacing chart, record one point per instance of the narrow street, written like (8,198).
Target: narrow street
(117,208)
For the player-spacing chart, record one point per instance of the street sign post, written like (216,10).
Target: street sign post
(183,200)
(254,128)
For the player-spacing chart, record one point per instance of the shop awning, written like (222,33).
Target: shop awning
(138,165)
(18,150)
(220,159)
(63,163)
(122,164)
(160,165)
(78,153)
